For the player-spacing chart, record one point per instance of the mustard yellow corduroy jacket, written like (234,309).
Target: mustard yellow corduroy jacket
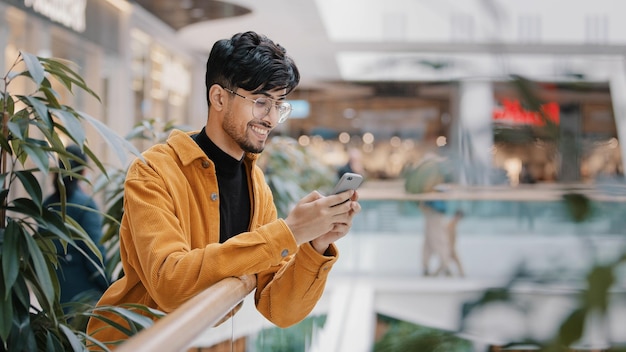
(169,240)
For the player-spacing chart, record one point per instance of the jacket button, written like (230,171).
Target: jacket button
(284,253)
(213,196)
(205,164)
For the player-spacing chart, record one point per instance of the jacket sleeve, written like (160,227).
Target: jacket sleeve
(286,296)
(286,293)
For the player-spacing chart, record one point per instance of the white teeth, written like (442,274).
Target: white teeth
(260,130)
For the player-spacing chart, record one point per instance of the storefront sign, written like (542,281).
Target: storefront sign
(70,13)
(513,113)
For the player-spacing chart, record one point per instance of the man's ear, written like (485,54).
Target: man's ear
(217,97)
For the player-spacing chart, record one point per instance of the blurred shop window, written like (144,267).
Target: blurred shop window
(161,81)
(140,46)
(158,59)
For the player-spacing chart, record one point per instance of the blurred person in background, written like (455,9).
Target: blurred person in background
(80,279)
(440,235)
(354,163)
(197,209)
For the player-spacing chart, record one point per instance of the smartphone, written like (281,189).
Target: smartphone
(348,181)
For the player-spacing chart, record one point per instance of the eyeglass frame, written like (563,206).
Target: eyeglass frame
(276,103)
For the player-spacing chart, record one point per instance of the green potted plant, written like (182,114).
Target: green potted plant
(31,317)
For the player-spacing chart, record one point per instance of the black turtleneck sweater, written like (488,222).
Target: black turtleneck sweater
(232,182)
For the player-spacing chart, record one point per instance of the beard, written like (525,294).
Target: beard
(241,138)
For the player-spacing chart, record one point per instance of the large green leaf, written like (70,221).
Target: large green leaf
(7,105)
(80,234)
(119,144)
(22,335)
(51,96)
(48,312)
(53,343)
(90,154)
(19,123)
(27,207)
(41,109)
(10,256)
(6,309)
(38,156)
(34,67)
(41,269)
(21,293)
(72,124)
(48,249)
(32,187)
(92,342)
(135,321)
(61,70)
(76,344)
(53,223)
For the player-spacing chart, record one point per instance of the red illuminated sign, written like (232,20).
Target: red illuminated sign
(513,113)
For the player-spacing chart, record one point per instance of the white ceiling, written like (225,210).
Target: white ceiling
(413,40)
(296,25)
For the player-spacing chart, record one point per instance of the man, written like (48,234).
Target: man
(198,210)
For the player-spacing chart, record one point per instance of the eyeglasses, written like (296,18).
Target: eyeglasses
(262,106)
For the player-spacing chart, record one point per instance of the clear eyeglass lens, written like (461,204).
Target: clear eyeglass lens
(284,109)
(262,107)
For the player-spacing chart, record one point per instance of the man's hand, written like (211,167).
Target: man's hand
(339,229)
(323,220)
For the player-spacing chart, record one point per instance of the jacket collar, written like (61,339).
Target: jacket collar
(188,152)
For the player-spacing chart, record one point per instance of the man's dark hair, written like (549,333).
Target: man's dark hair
(252,62)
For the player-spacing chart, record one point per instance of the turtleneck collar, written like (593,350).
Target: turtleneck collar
(225,165)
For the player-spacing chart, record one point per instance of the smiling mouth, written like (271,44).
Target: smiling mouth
(260,130)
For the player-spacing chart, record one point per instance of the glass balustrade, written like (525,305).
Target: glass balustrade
(527,266)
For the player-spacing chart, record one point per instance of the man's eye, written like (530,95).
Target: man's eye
(263,103)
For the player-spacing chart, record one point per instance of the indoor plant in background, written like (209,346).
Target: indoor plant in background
(34,125)
(111,187)
(292,172)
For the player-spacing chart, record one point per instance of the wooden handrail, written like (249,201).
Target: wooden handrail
(178,329)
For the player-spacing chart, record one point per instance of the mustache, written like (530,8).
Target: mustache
(262,123)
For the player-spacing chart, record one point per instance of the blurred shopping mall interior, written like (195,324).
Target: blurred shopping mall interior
(395,79)
(498,87)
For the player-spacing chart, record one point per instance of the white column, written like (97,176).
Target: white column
(617,83)
(117,70)
(475,134)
